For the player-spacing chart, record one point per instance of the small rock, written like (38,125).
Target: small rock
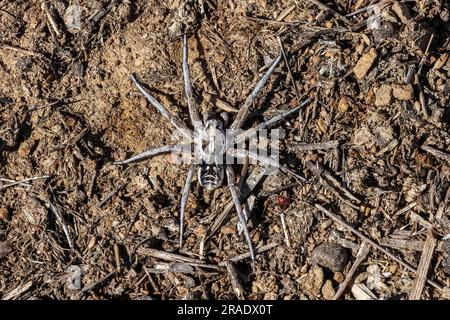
(338,277)
(328,291)
(72,18)
(402,11)
(331,256)
(5,249)
(365,63)
(344,104)
(228,230)
(383,95)
(314,279)
(4,214)
(440,62)
(403,92)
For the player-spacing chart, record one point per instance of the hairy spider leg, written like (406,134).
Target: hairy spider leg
(156,152)
(247,134)
(177,123)
(234,195)
(184,198)
(192,105)
(245,109)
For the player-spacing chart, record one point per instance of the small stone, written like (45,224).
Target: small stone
(365,63)
(338,277)
(383,95)
(402,11)
(228,230)
(446,293)
(25,149)
(315,277)
(344,104)
(5,249)
(331,256)
(4,214)
(328,291)
(403,92)
(440,62)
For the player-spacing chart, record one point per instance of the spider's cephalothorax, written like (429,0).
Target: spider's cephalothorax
(212,145)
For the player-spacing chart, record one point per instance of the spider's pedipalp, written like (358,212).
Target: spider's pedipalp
(234,195)
(184,198)
(177,123)
(244,110)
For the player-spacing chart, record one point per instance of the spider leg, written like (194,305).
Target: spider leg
(177,123)
(234,195)
(240,153)
(184,198)
(156,152)
(244,110)
(192,105)
(247,134)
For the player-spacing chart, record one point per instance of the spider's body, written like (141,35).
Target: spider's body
(210,147)
(213,144)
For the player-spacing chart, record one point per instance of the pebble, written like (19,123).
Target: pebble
(383,95)
(402,11)
(344,104)
(403,92)
(331,255)
(5,249)
(328,291)
(365,63)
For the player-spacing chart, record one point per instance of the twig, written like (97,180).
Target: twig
(25,51)
(22,182)
(406,209)
(424,265)
(50,18)
(247,254)
(111,194)
(103,279)
(315,146)
(265,194)
(167,256)
(285,231)
(99,14)
(234,279)
(363,251)
(331,183)
(61,221)
(117,257)
(436,152)
(175,258)
(297,93)
(16,292)
(373,243)
(327,8)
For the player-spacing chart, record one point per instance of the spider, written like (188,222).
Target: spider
(212,143)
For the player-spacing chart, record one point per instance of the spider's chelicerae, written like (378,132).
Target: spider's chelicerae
(213,144)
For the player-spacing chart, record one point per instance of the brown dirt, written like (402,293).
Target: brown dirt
(68,110)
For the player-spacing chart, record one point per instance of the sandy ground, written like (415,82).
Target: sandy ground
(82,228)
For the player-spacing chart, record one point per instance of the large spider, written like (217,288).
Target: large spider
(212,144)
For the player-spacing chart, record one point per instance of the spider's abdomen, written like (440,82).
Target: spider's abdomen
(210,176)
